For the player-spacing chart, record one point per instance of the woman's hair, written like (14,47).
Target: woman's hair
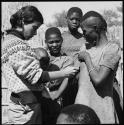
(26,15)
(74,9)
(100,22)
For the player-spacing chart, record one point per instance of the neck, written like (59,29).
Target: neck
(17,32)
(102,41)
(75,33)
(55,55)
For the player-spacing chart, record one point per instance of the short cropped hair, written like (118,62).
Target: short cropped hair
(78,113)
(27,14)
(53,30)
(74,9)
(101,23)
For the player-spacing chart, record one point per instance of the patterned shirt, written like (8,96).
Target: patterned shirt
(17,59)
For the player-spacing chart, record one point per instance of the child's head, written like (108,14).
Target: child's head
(43,57)
(77,114)
(74,17)
(53,40)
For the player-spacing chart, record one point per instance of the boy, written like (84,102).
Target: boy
(58,61)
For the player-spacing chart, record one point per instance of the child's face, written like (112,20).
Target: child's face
(74,20)
(54,43)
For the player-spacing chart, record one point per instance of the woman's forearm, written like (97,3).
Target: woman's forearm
(94,73)
(62,87)
(49,76)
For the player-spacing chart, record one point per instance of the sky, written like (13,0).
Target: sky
(48,9)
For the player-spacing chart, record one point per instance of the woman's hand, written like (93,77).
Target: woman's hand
(83,55)
(70,71)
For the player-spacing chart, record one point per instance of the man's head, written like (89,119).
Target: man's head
(43,57)
(77,114)
(53,40)
(74,17)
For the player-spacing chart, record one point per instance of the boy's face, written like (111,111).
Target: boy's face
(74,20)
(54,42)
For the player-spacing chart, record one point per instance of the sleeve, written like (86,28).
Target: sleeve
(83,48)
(111,56)
(26,66)
(67,62)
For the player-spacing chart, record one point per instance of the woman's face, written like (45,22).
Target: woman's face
(89,32)
(73,20)
(30,29)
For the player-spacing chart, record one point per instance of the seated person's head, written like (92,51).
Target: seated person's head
(43,57)
(53,39)
(77,114)
(74,17)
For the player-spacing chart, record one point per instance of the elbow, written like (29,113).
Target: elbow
(97,82)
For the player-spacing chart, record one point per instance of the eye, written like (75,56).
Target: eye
(35,27)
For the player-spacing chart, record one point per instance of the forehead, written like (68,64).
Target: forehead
(74,14)
(91,21)
(53,36)
(36,23)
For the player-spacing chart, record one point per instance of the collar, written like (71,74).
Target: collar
(16,33)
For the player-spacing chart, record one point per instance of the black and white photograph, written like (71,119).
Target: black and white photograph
(62,62)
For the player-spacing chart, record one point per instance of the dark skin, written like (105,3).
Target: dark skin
(73,21)
(54,42)
(98,77)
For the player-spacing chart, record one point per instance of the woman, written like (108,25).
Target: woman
(98,67)
(22,69)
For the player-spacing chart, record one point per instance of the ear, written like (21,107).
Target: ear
(62,39)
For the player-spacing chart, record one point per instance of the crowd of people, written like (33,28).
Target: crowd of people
(72,81)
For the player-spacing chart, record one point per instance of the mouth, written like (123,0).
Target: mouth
(55,49)
(73,26)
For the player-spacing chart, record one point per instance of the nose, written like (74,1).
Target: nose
(74,21)
(54,44)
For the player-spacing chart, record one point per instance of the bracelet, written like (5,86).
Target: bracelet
(91,69)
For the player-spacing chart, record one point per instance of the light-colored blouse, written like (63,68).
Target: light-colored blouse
(102,103)
(17,58)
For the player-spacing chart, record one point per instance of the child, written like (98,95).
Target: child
(58,61)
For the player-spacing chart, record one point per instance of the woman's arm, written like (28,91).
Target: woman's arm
(67,72)
(107,64)
(97,76)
